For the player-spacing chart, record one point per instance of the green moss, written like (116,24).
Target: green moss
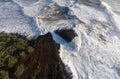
(4,75)
(12,47)
(3,57)
(29,49)
(22,53)
(11,61)
(19,70)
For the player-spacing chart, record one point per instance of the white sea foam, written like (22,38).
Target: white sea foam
(93,54)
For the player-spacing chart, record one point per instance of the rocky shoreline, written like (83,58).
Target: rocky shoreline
(42,63)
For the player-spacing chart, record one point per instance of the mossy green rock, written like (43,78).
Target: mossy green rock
(29,49)
(19,70)
(19,60)
(4,75)
(11,61)
(12,47)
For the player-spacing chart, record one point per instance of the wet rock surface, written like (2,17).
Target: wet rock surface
(66,34)
(54,12)
(43,63)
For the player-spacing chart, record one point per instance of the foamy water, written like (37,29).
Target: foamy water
(93,54)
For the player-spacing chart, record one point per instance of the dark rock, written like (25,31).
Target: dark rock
(45,62)
(66,34)
(51,64)
(42,63)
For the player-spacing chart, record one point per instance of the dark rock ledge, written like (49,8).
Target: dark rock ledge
(67,34)
(43,61)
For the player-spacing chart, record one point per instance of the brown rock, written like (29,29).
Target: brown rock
(43,63)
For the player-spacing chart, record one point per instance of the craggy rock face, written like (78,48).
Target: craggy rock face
(42,63)
(48,57)
(66,34)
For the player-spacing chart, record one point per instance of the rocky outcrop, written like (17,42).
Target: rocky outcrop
(66,34)
(43,63)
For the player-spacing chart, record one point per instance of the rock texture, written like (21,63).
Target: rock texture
(43,63)
(54,12)
(66,34)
